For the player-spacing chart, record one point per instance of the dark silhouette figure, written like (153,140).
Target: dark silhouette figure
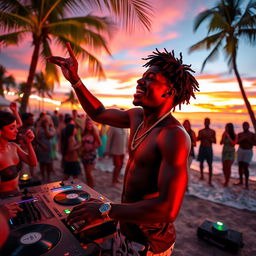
(207,137)
(246,141)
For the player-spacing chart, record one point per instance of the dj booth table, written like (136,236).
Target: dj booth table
(41,228)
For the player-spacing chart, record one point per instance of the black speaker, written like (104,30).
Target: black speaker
(220,235)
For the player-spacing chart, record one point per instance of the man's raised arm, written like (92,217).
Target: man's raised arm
(92,106)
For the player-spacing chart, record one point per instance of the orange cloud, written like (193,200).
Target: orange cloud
(208,76)
(228,80)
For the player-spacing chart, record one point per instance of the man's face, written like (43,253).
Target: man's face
(246,126)
(150,88)
(207,122)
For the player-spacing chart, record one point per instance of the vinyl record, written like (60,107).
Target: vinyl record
(34,239)
(71,197)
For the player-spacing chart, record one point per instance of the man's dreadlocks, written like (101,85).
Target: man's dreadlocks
(177,73)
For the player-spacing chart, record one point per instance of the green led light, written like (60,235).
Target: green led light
(72,227)
(79,186)
(67,211)
(220,226)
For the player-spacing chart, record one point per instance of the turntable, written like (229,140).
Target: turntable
(41,228)
(37,239)
(71,197)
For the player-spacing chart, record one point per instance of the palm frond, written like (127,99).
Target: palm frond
(248,19)
(14,6)
(63,7)
(12,38)
(81,33)
(51,71)
(207,42)
(9,21)
(9,82)
(230,48)
(217,23)
(71,98)
(2,71)
(41,84)
(231,45)
(201,17)
(249,35)
(128,13)
(95,66)
(99,23)
(213,54)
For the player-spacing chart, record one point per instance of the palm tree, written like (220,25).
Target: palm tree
(20,91)
(42,86)
(228,22)
(71,99)
(47,21)
(7,81)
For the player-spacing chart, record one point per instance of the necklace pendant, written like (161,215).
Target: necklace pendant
(145,134)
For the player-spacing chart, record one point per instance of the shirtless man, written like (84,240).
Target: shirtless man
(156,173)
(207,136)
(246,141)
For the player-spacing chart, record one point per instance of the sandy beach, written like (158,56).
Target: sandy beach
(193,213)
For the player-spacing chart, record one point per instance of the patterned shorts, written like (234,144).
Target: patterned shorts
(124,247)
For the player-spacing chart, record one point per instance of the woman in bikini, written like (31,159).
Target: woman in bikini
(228,140)
(11,154)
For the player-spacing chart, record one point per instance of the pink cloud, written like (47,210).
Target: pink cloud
(19,75)
(165,14)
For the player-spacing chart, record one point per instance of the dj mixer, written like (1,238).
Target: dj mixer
(41,228)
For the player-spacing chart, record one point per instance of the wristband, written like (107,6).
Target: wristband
(77,84)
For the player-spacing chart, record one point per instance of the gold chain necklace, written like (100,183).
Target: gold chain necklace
(144,135)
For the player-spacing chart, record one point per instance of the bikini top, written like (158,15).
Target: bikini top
(10,172)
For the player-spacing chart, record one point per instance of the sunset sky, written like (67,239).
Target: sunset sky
(172,28)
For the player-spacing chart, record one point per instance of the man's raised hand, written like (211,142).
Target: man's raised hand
(69,66)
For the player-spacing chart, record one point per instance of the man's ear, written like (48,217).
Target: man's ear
(171,92)
(167,93)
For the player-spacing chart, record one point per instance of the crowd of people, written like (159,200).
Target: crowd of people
(229,139)
(76,138)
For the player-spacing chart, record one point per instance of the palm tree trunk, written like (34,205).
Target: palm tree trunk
(32,71)
(1,89)
(43,100)
(246,101)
